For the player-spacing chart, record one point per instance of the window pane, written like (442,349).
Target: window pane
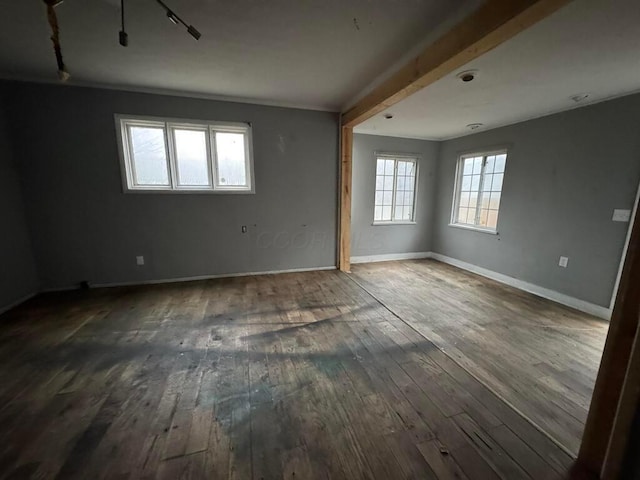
(497,182)
(473,200)
(462,215)
(464,199)
(380,167)
(379,182)
(377,215)
(486,186)
(149,155)
(475,182)
(400,183)
(468,166)
(484,202)
(400,198)
(231,159)
(466,183)
(378,198)
(411,169)
(494,204)
(191,157)
(398,213)
(386,213)
(402,167)
(408,213)
(387,198)
(491,162)
(388,169)
(483,217)
(500,162)
(492,220)
(477,165)
(471,217)
(388,183)
(408,198)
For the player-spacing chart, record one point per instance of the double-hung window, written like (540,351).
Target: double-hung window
(169,155)
(395,189)
(478,190)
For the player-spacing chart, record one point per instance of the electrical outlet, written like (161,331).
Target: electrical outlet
(564,261)
(621,215)
(139,260)
(244,229)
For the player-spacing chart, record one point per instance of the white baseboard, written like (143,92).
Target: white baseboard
(583,306)
(586,307)
(192,279)
(6,308)
(387,257)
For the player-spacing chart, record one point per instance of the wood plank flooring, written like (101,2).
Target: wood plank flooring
(541,357)
(290,376)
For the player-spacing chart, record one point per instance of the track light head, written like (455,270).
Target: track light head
(172,16)
(124,39)
(193,32)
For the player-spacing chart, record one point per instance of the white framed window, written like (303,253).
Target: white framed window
(478,190)
(181,156)
(396,177)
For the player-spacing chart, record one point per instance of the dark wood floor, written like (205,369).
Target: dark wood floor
(539,356)
(291,376)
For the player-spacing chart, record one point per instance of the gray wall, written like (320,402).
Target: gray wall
(565,175)
(85,228)
(18,277)
(367,239)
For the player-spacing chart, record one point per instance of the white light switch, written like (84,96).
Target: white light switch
(139,260)
(564,261)
(621,215)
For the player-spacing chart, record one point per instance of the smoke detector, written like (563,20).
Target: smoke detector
(388,116)
(474,126)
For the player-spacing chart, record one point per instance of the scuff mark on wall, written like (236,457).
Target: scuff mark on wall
(282,146)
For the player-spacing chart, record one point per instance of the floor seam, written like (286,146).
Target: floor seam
(351,277)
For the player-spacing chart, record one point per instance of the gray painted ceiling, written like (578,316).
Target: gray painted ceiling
(313,53)
(589,46)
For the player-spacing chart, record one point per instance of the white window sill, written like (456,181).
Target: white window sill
(190,191)
(381,224)
(475,229)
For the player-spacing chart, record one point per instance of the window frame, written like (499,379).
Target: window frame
(169,125)
(458,188)
(405,157)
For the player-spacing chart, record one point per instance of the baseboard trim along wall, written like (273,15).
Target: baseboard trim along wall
(190,279)
(387,257)
(581,305)
(586,307)
(561,298)
(8,307)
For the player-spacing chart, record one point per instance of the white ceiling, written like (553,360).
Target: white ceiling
(313,53)
(589,46)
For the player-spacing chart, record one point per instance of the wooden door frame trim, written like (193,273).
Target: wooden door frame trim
(344,234)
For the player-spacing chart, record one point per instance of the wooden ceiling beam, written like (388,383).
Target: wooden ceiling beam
(495,22)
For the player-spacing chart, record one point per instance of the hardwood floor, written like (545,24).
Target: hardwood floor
(541,357)
(290,376)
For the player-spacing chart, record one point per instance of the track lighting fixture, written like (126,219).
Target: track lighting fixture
(171,15)
(124,38)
